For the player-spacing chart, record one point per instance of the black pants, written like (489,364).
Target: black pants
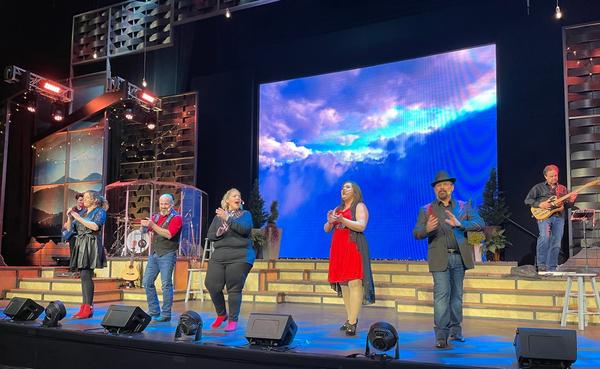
(232,275)
(87,286)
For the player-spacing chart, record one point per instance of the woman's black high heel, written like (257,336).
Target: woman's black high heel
(351,330)
(345,326)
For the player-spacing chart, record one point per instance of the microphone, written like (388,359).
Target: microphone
(242,205)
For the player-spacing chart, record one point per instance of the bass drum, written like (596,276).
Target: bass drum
(137,242)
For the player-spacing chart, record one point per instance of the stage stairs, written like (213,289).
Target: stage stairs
(407,287)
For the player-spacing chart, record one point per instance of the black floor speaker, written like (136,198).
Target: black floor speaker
(270,329)
(547,348)
(20,308)
(125,319)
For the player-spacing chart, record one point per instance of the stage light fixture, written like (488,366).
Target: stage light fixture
(151,122)
(144,83)
(58,111)
(128,114)
(557,13)
(49,86)
(147,97)
(55,311)
(30,98)
(227,13)
(382,337)
(190,324)
(95,55)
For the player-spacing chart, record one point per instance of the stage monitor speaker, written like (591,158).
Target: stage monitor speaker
(549,348)
(20,308)
(270,329)
(125,319)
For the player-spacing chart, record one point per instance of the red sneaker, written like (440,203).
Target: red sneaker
(231,326)
(217,323)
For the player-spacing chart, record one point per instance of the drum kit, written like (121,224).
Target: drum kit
(130,241)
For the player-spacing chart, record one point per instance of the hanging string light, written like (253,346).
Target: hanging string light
(557,12)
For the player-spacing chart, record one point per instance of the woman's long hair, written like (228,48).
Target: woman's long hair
(358,197)
(99,200)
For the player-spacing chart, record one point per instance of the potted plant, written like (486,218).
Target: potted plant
(494,212)
(256,206)
(495,243)
(476,239)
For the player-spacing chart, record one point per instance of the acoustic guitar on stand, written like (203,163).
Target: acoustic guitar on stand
(132,273)
(557,203)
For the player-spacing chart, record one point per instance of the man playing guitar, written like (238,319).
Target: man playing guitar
(544,196)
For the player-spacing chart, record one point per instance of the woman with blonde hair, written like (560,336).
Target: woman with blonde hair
(349,261)
(231,259)
(88,251)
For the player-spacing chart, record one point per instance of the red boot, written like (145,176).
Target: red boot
(78,314)
(217,323)
(86,312)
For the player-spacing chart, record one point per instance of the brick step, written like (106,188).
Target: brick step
(139,294)
(479,281)
(67,284)
(378,265)
(511,297)
(64,296)
(495,311)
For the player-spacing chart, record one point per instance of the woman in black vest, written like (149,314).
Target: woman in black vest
(231,259)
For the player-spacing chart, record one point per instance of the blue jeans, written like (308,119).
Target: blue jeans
(549,240)
(448,298)
(163,265)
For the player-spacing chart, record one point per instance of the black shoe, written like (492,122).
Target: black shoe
(345,326)
(441,343)
(457,337)
(351,330)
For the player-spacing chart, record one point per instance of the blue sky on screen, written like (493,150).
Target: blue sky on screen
(374,124)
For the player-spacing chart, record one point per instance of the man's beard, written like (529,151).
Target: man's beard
(165,212)
(442,195)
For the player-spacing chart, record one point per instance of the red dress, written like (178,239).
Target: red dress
(345,261)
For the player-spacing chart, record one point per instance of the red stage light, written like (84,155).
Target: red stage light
(147,97)
(51,87)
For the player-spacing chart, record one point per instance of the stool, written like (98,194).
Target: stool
(582,313)
(189,290)
(207,251)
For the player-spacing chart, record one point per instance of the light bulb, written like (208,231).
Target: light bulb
(557,13)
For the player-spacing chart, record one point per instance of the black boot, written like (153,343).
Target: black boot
(351,330)
(344,326)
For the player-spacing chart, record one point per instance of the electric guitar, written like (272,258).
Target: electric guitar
(132,273)
(557,203)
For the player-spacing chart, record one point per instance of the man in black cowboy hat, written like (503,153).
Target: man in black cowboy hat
(444,222)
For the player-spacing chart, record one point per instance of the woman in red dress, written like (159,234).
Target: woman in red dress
(349,261)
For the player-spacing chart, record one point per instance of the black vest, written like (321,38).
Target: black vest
(162,245)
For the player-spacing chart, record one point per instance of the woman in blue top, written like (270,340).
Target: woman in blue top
(88,252)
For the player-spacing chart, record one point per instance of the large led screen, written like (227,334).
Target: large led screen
(389,128)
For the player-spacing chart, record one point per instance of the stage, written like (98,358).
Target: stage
(318,342)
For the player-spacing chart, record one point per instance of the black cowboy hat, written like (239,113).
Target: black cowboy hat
(442,176)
